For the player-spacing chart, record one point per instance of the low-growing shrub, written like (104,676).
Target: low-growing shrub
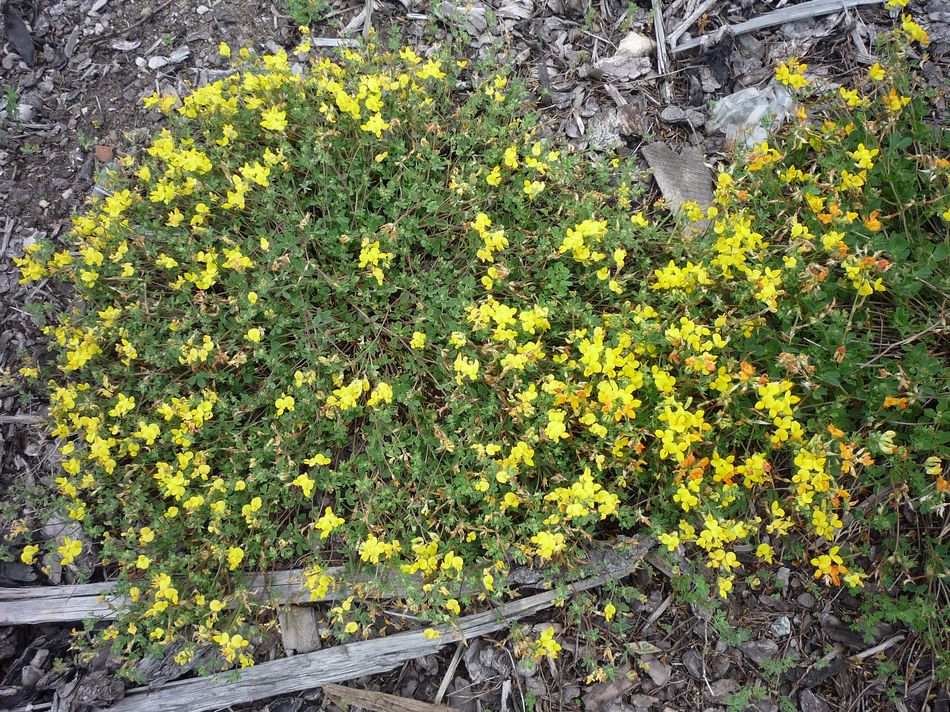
(365,314)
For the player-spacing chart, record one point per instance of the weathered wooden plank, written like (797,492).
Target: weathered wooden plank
(791,13)
(352,660)
(379,701)
(61,604)
(31,593)
(299,629)
(64,610)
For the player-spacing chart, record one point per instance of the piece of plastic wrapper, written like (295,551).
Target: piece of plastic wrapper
(744,116)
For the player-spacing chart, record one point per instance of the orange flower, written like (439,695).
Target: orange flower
(872,223)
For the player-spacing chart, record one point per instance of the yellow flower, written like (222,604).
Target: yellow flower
(142,562)
(283,404)
(686,499)
(375,125)
(175,218)
(253,335)
(28,555)
(418,340)
(894,101)
(431,634)
(274,119)
(351,627)
(224,50)
(864,157)
(451,560)
(304,482)
(465,368)
(494,176)
(546,645)
(69,550)
(792,74)
(876,72)
(610,610)
(670,540)
(510,501)
(533,188)
(452,606)
(851,96)
(854,579)
(548,544)
(383,393)
(235,557)
(327,523)
(914,32)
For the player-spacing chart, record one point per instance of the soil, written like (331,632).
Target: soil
(77,105)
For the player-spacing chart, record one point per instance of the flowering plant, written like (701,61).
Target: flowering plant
(356,315)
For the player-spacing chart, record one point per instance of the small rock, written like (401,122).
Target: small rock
(202,9)
(678,115)
(808,701)
(461,695)
(126,45)
(721,646)
(693,662)
(708,82)
(600,694)
(643,702)
(636,45)
(758,651)
(180,54)
(658,671)
(26,112)
(781,627)
(570,693)
(815,676)
(806,600)
(717,665)
(622,66)
(157,62)
(604,130)
(536,686)
(30,675)
(718,690)
(763,706)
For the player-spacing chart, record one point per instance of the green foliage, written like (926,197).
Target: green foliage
(307,13)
